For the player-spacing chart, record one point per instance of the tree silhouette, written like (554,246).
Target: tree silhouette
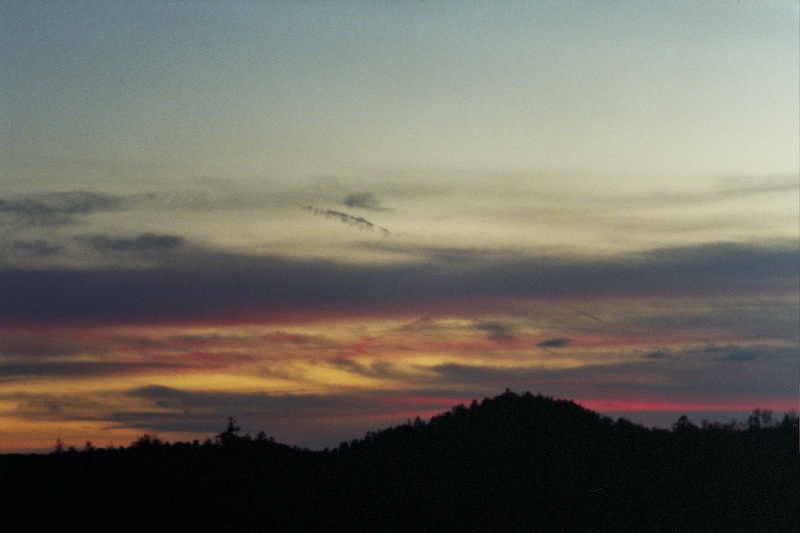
(759,418)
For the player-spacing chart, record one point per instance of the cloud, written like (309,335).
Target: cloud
(359,222)
(554,343)
(292,338)
(687,375)
(479,375)
(38,247)
(770,315)
(730,352)
(374,369)
(693,376)
(203,284)
(740,356)
(364,200)
(57,208)
(58,407)
(65,369)
(38,345)
(142,243)
(729,189)
(495,330)
(658,354)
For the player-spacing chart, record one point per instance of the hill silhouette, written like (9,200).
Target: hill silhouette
(509,463)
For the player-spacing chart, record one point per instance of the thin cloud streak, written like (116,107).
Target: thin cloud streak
(350,220)
(141,243)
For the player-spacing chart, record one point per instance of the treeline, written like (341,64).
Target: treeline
(511,463)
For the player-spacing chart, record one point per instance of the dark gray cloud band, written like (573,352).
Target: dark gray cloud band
(206,285)
(141,243)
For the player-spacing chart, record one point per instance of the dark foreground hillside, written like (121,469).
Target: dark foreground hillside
(511,463)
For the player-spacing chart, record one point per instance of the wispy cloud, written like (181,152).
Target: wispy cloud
(39,345)
(351,220)
(57,208)
(686,374)
(658,354)
(496,330)
(86,369)
(141,243)
(364,200)
(730,189)
(554,343)
(37,247)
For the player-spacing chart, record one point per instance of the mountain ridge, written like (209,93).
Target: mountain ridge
(515,462)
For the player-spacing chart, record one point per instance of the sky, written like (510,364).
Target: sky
(323,218)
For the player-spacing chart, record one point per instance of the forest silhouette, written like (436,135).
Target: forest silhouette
(510,463)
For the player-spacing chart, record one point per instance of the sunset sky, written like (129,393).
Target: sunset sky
(323,218)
